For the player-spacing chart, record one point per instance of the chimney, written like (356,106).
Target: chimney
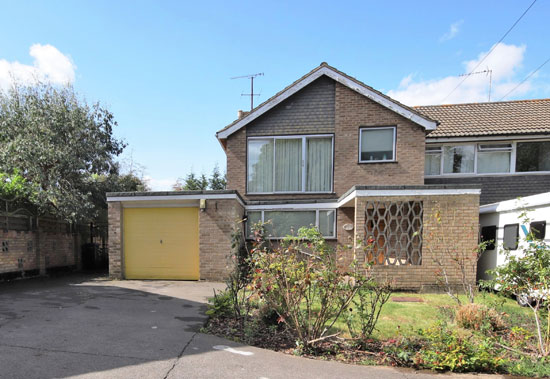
(241,114)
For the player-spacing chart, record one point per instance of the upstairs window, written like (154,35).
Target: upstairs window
(377,144)
(290,164)
(533,156)
(433,160)
(494,158)
(458,159)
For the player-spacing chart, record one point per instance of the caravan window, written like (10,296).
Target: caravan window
(510,240)
(489,234)
(538,229)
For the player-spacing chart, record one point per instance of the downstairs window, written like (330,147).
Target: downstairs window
(283,223)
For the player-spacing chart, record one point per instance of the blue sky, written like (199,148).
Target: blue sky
(164,67)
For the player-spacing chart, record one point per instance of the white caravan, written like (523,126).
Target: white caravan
(502,222)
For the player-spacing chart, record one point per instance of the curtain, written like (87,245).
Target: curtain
(458,159)
(319,164)
(260,165)
(288,164)
(493,162)
(433,164)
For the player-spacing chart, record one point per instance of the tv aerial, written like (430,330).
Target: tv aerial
(251,94)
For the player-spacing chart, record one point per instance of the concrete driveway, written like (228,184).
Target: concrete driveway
(84,327)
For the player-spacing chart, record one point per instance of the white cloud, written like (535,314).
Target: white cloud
(504,61)
(453,31)
(49,64)
(160,184)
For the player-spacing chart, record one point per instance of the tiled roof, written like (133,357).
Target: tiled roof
(485,119)
(324,64)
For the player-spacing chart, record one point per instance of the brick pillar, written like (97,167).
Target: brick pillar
(114,242)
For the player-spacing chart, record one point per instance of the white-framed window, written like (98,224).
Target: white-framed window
(377,144)
(494,158)
(290,164)
(433,160)
(459,159)
(488,158)
(287,222)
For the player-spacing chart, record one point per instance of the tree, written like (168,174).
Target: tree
(217,181)
(193,183)
(59,145)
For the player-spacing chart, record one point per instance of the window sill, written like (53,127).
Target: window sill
(376,162)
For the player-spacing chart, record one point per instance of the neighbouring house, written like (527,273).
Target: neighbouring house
(328,151)
(504,147)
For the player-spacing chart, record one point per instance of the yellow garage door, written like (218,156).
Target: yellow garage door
(161,243)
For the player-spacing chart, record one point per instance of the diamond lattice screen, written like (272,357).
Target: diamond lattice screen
(394,232)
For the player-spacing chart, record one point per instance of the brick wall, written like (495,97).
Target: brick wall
(115,239)
(297,115)
(32,252)
(455,233)
(216,224)
(353,111)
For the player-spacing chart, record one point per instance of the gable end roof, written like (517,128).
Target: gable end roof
(340,77)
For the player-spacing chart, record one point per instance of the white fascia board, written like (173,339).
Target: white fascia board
(419,192)
(264,207)
(518,137)
(411,192)
(129,199)
(427,124)
(515,204)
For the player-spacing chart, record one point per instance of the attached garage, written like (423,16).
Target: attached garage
(161,243)
(172,235)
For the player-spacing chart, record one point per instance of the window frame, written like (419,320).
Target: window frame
(512,150)
(304,138)
(316,210)
(394,155)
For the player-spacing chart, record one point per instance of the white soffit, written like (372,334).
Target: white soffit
(363,90)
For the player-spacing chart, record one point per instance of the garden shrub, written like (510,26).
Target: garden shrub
(445,349)
(301,281)
(221,305)
(479,317)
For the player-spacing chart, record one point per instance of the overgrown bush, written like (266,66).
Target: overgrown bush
(479,317)
(445,349)
(301,281)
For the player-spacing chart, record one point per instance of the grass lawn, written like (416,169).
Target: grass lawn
(405,318)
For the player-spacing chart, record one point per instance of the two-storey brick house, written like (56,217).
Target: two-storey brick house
(327,151)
